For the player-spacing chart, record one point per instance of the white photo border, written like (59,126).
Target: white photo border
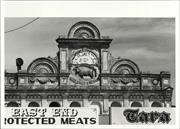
(105,9)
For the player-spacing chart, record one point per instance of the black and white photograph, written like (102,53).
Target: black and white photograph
(122,68)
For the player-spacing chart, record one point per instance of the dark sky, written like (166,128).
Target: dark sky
(150,42)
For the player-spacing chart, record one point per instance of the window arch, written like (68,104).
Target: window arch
(98,106)
(33,104)
(75,104)
(54,104)
(12,104)
(136,104)
(156,104)
(116,104)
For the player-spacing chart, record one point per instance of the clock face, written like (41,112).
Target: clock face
(85,57)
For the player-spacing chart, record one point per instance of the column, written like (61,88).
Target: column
(24,103)
(63,60)
(167,104)
(66,103)
(45,103)
(86,102)
(147,103)
(126,103)
(104,60)
(106,105)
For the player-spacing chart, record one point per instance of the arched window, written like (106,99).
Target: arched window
(33,104)
(75,104)
(156,104)
(12,104)
(54,104)
(116,104)
(136,104)
(98,106)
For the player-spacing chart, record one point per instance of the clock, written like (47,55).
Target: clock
(85,57)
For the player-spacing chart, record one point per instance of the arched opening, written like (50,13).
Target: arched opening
(75,104)
(136,104)
(84,32)
(98,106)
(33,104)
(12,104)
(156,104)
(54,104)
(116,104)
